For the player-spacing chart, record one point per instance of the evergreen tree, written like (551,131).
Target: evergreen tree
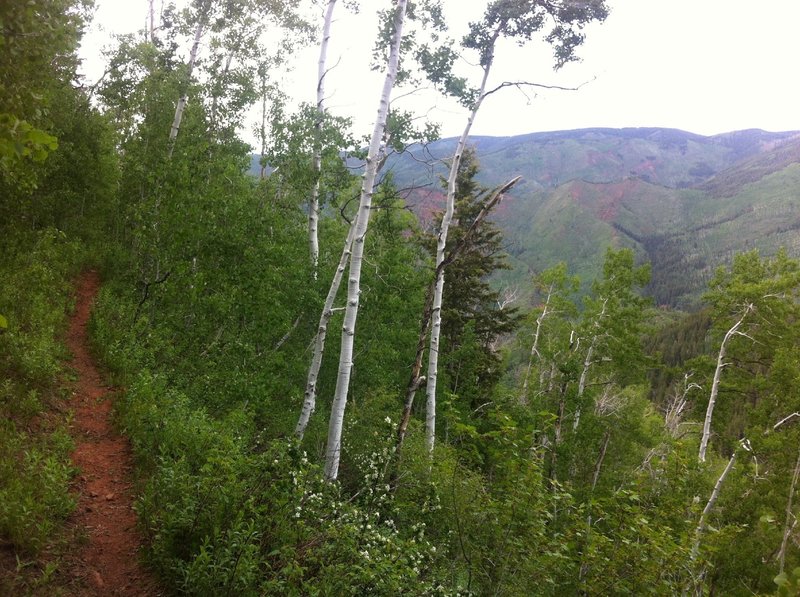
(474,319)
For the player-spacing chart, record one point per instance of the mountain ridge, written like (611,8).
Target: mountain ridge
(683,201)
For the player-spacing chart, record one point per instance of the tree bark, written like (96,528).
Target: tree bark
(333,447)
(701,524)
(599,464)
(587,363)
(712,400)
(179,109)
(310,398)
(313,201)
(535,347)
(436,313)
(151,13)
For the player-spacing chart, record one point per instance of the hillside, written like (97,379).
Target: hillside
(684,202)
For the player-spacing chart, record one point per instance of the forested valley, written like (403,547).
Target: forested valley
(325,394)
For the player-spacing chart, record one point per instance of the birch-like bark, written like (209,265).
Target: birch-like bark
(333,447)
(791,520)
(599,464)
(313,200)
(151,13)
(416,379)
(587,363)
(701,524)
(436,313)
(179,109)
(310,398)
(535,347)
(712,400)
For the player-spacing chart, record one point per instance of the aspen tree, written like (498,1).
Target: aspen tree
(501,19)
(333,447)
(313,201)
(203,12)
(721,364)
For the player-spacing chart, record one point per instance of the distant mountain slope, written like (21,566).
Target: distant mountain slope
(666,157)
(685,202)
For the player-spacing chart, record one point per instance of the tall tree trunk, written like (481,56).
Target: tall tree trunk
(310,399)
(263,131)
(535,346)
(702,523)
(333,447)
(436,313)
(712,400)
(151,14)
(599,464)
(313,200)
(416,379)
(179,109)
(587,363)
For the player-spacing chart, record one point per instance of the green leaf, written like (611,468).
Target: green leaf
(3,323)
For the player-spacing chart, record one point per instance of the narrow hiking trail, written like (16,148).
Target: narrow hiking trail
(107,562)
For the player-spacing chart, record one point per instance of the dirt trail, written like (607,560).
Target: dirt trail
(107,563)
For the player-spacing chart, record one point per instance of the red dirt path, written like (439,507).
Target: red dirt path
(107,563)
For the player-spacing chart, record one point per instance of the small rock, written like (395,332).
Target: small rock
(97,580)
(110,496)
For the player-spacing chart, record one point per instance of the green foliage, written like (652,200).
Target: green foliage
(35,469)
(37,61)
(232,511)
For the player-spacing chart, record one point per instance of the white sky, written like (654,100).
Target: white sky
(705,66)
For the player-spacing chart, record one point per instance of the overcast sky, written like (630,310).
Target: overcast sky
(705,66)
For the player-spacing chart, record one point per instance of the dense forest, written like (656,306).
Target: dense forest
(325,395)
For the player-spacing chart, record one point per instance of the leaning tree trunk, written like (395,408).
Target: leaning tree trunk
(587,363)
(179,109)
(313,200)
(310,398)
(333,447)
(712,400)
(535,346)
(702,523)
(436,311)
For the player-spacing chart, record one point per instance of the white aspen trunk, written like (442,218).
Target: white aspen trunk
(701,524)
(535,347)
(600,458)
(712,400)
(587,363)
(263,132)
(788,524)
(310,399)
(333,447)
(436,313)
(582,382)
(313,201)
(152,17)
(179,109)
